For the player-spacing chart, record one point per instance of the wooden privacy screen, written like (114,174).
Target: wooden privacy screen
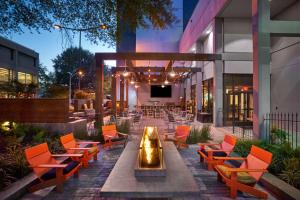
(34,110)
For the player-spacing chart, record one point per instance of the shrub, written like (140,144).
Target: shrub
(17,161)
(199,135)
(80,94)
(5,178)
(124,127)
(291,172)
(277,135)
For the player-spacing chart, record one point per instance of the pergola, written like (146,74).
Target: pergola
(132,56)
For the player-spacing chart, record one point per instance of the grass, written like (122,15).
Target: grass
(199,135)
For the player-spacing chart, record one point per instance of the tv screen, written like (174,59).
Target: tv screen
(161,92)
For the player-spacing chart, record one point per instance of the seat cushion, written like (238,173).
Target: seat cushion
(52,173)
(242,177)
(93,150)
(217,153)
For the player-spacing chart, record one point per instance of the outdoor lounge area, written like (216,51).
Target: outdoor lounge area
(149,99)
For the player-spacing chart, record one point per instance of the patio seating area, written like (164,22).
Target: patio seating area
(91,179)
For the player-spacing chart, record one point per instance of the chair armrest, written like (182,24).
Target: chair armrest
(67,155)
(215,150)
(182,136)
(80,148)
(246,170)
(229,158)
(88,142)
(208,144)
(124,134)
(50,166)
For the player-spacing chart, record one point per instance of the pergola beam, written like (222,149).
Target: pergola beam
(158,69)
(159,56)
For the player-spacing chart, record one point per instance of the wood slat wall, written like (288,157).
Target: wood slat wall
(34,110)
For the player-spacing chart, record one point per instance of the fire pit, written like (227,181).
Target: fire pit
(150,160)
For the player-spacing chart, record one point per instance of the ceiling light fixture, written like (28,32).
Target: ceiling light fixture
(166,81)
(163,86)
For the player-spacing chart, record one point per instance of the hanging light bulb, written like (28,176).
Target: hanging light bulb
(162,85)
(166,81)
(172,73)
(136,86)
(132,81)
(125,72)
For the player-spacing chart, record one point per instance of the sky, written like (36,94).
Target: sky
(50,44)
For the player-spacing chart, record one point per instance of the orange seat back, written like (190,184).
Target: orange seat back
(228,143)
(182,130)
(68,141)
(109,130)
(257,159)
(38,155)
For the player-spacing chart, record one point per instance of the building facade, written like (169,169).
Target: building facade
(259,41)
(17,63)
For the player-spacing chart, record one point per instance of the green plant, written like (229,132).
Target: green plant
(277,135)
(5,178)
(291,172)
(199,135)
(55,146)
(243,147)
(17,160)
(39,137)
(124,127)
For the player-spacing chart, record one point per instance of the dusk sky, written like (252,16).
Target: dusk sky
(50,44)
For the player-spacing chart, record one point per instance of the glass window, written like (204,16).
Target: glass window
(207,98)
(22,77)
(4,75)
(25,78)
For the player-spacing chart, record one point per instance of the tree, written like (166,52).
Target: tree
(46,78)
(68,61)
(72,60)
(36,15)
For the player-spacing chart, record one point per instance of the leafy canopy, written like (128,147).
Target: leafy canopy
(37,15)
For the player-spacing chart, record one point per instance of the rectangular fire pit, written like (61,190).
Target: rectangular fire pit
(150,161)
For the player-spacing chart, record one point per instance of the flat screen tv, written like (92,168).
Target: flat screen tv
(161,92)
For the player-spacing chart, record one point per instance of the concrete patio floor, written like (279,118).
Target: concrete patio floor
(92,179)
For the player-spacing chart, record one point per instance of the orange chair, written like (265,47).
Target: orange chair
(112,136)
(48,170)
(71,146)
(225,148)
(181,134)
(248,174)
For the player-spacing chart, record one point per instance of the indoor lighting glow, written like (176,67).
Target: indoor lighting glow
(166,82)
(125,73)
(172,73)
(136,86)
(163,86)
(132,82)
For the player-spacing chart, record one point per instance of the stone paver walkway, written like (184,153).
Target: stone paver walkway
(92,179)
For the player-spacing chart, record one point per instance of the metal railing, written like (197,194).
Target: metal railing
(282,127)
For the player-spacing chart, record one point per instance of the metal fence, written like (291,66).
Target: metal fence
(282,127)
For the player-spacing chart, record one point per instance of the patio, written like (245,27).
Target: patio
(91,180)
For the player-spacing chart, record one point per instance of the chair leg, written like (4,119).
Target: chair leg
(76,174)
(59,180)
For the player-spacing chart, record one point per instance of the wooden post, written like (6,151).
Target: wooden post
(122,80)
(127,99)
(114,94)
(99,92)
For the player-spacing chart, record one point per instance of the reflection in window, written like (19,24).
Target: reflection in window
(4,75)
(25,78)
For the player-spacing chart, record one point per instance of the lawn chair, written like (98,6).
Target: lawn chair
(180,136)
(248,174)
(71,146)
(112,136)
(225,148)
(48,170)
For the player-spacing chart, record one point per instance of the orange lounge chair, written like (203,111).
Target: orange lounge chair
(112,136)
(71,146)
(48,170)
(248,174)
(225,148)
(180,136)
